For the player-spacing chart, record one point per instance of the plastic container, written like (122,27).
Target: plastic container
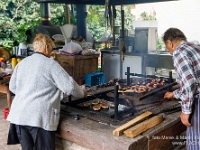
(95,78)
(22,49)
(6,112)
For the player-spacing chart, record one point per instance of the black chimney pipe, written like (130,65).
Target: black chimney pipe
(81,20)
(45,14)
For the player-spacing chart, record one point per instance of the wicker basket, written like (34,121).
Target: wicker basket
(4,53)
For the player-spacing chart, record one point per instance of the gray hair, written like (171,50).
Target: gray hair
(173,34)
(41,40)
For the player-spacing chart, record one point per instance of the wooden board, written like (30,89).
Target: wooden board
(129,90)
(119,131)
(142,127)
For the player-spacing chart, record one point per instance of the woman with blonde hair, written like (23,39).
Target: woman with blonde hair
(38,83)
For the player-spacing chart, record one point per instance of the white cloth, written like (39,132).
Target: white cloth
(38,83)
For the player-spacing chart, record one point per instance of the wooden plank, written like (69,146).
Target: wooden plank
(142,127)
(119,131)
(126,91)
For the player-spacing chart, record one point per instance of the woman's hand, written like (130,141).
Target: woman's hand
(185,119)
(169,95)
(85,94)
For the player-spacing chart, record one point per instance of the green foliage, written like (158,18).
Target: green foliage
(128,17)
(16,17)
(150,16)
(160,44)
(58,14)
(96,21)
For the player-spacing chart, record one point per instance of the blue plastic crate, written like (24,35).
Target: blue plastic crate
(95,78)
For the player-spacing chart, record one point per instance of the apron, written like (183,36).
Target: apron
(193,132)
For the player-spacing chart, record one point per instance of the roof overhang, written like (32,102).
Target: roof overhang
(102,2)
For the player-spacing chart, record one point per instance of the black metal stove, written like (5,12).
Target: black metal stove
(126,104)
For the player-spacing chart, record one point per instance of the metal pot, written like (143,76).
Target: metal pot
(125,32)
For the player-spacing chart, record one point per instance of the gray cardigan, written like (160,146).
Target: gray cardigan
(38,83)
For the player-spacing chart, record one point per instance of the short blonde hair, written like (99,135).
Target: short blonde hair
(41,40)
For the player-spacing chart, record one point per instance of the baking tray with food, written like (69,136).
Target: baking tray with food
(103,106)
(146,87)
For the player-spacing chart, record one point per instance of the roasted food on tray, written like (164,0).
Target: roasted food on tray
(95,102)
(143,86)
(104,105)
(86,104)
(112,105)
(97,107)
(102,101)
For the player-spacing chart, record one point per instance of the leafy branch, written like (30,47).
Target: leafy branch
(146,16)
(16,11)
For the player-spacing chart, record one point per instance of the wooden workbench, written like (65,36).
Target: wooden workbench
(98,135)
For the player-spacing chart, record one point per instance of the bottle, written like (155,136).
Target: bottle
(14,63)
(2,62)
(8,64)
(22,49)
(18,60)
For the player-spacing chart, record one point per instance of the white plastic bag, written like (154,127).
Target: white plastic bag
(88,52)
(71,48)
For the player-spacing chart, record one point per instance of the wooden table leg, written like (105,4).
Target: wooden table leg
(5,89)
(9,99)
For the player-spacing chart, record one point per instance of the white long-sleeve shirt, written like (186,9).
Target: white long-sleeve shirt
(38,83)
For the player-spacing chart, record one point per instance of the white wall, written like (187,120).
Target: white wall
(182,14)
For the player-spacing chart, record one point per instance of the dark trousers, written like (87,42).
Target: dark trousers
(34,138)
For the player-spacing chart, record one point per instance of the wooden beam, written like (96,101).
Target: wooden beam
(143,126)
(119,131)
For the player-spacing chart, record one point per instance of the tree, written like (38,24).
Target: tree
(96,20)
(17,16)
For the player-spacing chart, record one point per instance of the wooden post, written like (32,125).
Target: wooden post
(67,14)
